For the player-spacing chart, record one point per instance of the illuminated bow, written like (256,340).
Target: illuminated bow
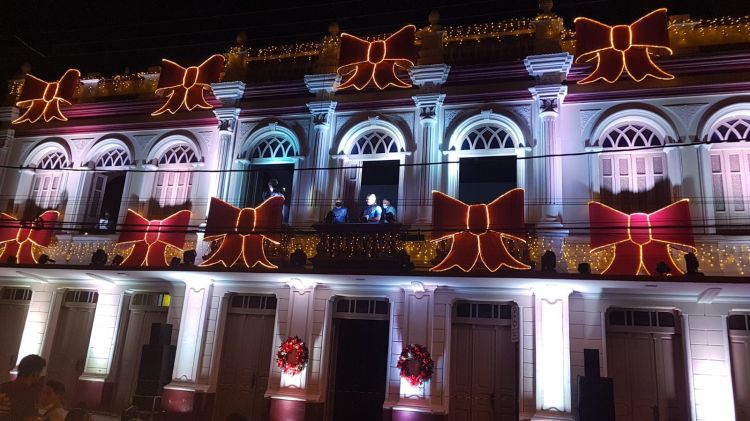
(641,240)
(43,99)
(19,239)
(623,47)
(151,237)
(243,232)
(364,61)
(478,230)
(187,84)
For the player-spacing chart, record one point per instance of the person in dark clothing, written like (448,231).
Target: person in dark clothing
(18,399)
(272,190)
(338,215)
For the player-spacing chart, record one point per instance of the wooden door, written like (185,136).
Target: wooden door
(739,347)
(245,363)
(138,333)
(648,375)
(483,373)
(96,195)
(68,357)
(13,318)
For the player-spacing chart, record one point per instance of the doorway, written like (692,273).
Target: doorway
(70,346)
(359,360)
(145,309)
(246,357)
(739,351)
(646,361)
(14,306)
(256,182)
(105,200)
(482,180)
(484,363)
(382,179)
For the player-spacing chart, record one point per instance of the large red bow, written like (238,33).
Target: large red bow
(19,239)
(623,47)
(243,232)
(187,84)
(364,61)
(641,240)
(150,238)
(478,230)
(43,99)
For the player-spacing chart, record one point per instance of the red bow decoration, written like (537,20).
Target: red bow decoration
(43,99)
(364,61)
(187,84)
(641,240)
(478,230)
(623,47)
(19,239)
(243,232)
(151,237)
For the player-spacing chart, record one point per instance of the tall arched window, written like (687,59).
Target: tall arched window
(47,182)
(633,180)
(106,189)
(174,179)
(115,157)
(729,159)
(374,142)
(274,145)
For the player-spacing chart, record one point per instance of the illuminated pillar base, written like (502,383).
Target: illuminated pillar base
(552,377)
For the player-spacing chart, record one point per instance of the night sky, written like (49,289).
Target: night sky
(107,37)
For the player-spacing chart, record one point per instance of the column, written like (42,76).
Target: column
(427,175)
(39,329)
(97,381)
(424,177)
(549,70)
(552,353)
(186,394)
(293,398)
(7,133)
(318,195)
(230,94)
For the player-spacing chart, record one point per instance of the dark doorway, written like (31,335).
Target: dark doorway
(112,200)
(380,178)
(257,178)
(361,369)
(482,180)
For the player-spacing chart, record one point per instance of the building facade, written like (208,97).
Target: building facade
(506,345)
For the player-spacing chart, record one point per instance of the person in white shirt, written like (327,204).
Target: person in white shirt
(50,401)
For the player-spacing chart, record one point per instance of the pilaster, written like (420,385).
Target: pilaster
(229,94)
(426,175)
(318,197)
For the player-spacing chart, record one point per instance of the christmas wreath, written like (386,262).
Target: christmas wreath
(415,364)
(292,356)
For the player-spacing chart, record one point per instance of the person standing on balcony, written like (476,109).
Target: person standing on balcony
(389,212)
(272,191)
(372,212)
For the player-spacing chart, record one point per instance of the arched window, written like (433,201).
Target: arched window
(635,181)
(374,142)
(53,161)
(487,137)
(730,169)
(178,154)
(274,146)
(172,187)
(117,157)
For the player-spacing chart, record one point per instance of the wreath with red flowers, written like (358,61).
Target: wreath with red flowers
(292,356)
(415,364)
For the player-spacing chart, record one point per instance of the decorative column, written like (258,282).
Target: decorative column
(97,381)
(7,133)
(230,94)
(185,394)
(39,329)
(552,353)
(425,177)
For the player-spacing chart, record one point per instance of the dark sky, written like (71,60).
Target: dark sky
(108,36)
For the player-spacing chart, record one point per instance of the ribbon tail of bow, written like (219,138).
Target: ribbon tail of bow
(656,252)
(194,98)
(359,75)
(609,66)
(25,254)
(384,75)
(228,252)
(33,113)
(626,261)
(639,65)
(463,254)
(174,101)
(495,255)
(253,253)
(11,249)
(137,256)
(52,111)
(156,255)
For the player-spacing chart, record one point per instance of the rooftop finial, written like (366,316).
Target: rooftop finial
(546,6)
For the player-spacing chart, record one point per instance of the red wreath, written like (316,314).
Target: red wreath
(292,356)
(415,364)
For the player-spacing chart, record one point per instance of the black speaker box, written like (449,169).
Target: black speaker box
(161,334)
(157,362)
(596,399)
(591,362)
